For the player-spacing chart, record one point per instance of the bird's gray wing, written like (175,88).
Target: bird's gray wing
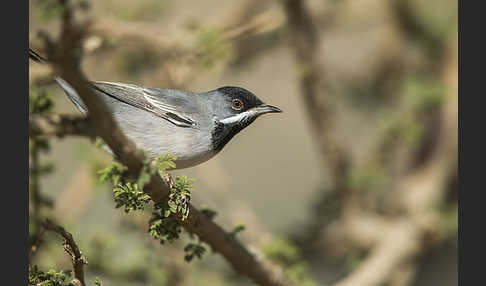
(172,105)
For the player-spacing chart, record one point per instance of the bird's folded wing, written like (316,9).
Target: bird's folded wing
(165,103)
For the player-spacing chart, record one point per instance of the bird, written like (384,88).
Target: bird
(191,126)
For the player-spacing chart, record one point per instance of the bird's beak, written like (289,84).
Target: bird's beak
(264,108)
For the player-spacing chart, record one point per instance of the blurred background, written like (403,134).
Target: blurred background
(355,181)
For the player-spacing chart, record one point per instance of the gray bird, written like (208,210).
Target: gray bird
(194,127)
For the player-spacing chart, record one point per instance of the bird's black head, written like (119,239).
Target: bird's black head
(234,108)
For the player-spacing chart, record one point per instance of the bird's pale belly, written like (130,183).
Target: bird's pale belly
(190,146)
(188,154)
(191,162)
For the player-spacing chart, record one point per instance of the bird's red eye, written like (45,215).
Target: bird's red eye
(237,104)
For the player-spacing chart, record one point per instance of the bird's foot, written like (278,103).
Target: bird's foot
(168,179)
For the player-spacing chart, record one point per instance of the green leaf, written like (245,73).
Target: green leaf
(238,228)
(164,163)
(130,197)
(116,173)
(51,277)
(164,229)
(167,213)
(194,250)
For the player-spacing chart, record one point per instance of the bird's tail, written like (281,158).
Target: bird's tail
(70,92)
(36,57)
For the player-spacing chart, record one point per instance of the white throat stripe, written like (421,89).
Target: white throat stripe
(237,118)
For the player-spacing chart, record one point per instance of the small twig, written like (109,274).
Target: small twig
(70,246)
(59,125)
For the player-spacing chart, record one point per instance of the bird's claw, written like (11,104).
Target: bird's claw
(168,179)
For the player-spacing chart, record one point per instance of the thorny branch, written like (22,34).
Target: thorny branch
(66,56)
(71,248)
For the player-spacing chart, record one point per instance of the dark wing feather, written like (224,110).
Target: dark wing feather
(170,105)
